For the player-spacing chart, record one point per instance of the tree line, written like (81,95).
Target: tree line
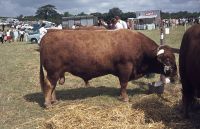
(48,12)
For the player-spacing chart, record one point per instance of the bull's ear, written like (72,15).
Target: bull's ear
(175,50)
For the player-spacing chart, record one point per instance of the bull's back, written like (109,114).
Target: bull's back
(96,45)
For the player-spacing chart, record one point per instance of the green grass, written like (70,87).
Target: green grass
(20,94)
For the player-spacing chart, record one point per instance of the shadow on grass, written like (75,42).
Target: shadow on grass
(82,93)
(157,110)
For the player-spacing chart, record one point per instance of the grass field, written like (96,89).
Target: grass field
(80,107)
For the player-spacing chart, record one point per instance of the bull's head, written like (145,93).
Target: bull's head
(165,55)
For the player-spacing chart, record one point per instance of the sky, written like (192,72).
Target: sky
(13,8)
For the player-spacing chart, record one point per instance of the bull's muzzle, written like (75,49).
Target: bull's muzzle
(167,70)
(171,72)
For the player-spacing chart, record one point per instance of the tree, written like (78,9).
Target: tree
(127,15)
(20,17)
(115,12)
(48,12)
(29,18)
(97,14)
(67,14)
(82,14)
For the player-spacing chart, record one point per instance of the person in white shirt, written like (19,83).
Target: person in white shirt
(21,37)
(74,27)
(60,26)
(16,34)
(42,32)
(8,36)
(123,23)
(116,25)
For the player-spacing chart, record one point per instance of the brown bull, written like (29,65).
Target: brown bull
(189,66)
(88,54)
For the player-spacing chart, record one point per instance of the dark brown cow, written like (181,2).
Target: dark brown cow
(189,66)
(88,54)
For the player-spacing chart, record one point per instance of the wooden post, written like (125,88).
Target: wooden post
(161,33)
(162,36)
(185,26)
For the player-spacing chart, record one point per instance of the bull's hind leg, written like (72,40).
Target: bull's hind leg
(49,91)
(62,79)
(125,71)
(87,84)
(187,97)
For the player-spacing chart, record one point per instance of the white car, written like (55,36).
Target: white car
(27,26)
(33,37)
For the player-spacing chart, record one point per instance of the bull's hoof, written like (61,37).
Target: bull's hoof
(62,80)
(48,105)
(123,99)
(87,85)
(54,102)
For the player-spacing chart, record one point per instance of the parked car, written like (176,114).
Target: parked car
(27,26)
(33,36)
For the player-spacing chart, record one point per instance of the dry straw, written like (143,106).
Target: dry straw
(143,112)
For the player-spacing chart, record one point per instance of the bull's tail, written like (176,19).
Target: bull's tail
(42,81)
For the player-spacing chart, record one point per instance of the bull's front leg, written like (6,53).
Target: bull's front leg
(123,93)
(49,92)
(125,71)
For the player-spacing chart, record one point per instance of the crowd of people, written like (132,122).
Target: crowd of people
(180,21)
(12,35)
(115,23)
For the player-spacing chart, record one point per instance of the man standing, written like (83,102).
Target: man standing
(3,27)
(123,23)
(115,24)
(42,32)
(21,33)
(1,36)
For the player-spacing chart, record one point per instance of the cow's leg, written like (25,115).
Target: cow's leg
(123,93)
(125,71)
(49,91)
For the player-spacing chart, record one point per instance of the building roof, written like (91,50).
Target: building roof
(145,17)
(78,17)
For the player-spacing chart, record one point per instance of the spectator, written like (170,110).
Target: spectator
(3,27)
(26,36)
(12,35)
(5,36)
(42,31)
(116,25)
(1,36)
(123,23)
(16,35)
(103,23)
(196,21)
(8,36)
(74,27)
(60,26)
(21,35)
